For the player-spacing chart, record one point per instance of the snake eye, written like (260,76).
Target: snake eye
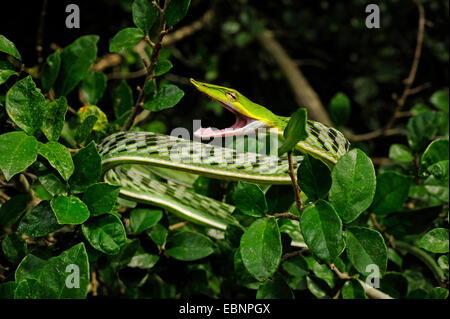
(232,96)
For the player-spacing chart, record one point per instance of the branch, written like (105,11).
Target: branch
(407,91)
(425,258)
(151,67)
(298,199)
(304,93)
(285,215)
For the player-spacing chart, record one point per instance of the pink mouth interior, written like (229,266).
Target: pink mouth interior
(241,121)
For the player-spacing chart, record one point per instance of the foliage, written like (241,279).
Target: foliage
(55,210)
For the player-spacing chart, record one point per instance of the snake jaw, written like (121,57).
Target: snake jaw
(243,125)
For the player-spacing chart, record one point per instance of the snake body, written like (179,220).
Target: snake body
(141,162)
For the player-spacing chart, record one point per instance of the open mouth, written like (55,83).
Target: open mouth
(242,125)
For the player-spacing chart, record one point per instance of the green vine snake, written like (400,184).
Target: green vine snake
(143,163)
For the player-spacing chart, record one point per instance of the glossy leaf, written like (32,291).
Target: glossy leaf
(188,246)
(123,99)
(166,97)
(6,71)
(25,105)
(54,278)
(105,233)
(421,128)
(143,260)
(93,87)
(8,47)
(159,234)
(274,289)
(394,284)
(353,185)
(322,230)
(400,153)
(314,178)
(352,289)
(40,221)
(261,248)
(295,131)
(50,70)
(176,10)
(53,184)
(76,61)
(435,241)
(391,192)
(87,168)
(59,157)
(163,67)
(125,39)
(22,151)
(250,199)
(437,151)
(144,14)
(69,210)
(366,247)
(101,198)
(54,117)
(142,219)
(440,100)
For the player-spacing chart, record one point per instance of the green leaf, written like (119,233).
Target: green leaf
(69,210)
(101,198)
(340,109)
(144,14)
(62,277)
(391,192)
(40,221)
(274,289)
(188,246)
(125,39)
(143,260)
(394,284)
(421,128)
(437,293)
(295,131)
(176,10)
(88,166)
(322,230)
(59,157)
(353,185)
(14,248)
(261,248)
(105,233)
(123,99)
(279,198)
(315,288)
(53,184)
(443,263)
(400,153)
(93,87)
(250,199)
(166,97)
(11,211)
(8,47)
(437,151)
(22,151)
(314,178)
(142,219)
(438,187)
(50,70)
(25,105)
(352,289)
(297,266)
(6,71)
(54,117)
(241,274)
(366,247)
(440,100)
(163,67)
(435,241)
(159,234)
(76,61)
(85,129)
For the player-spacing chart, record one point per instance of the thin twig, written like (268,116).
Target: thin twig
(285,215)
(178,225)
(298,200)
(151,67)
(291,255)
